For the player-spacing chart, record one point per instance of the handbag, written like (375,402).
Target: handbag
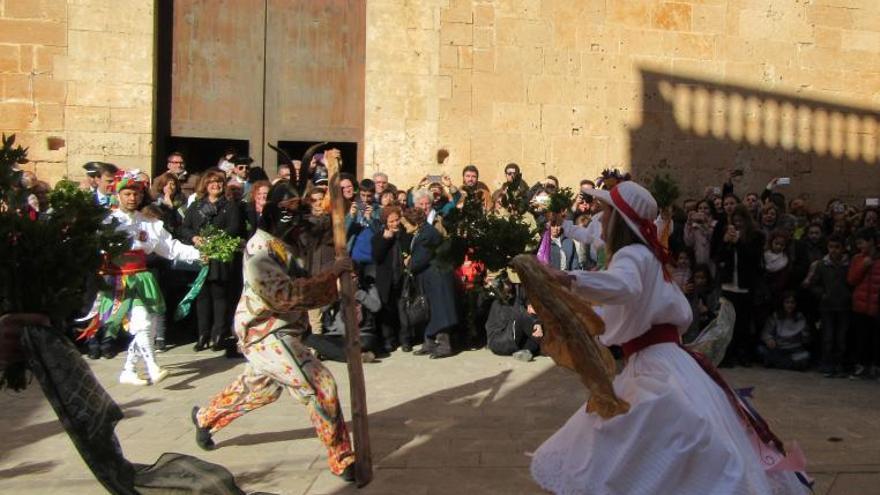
(414,308)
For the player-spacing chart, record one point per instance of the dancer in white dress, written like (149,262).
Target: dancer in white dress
(684,434)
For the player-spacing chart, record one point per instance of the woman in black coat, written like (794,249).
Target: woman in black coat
(213,302)
(436,282)
(388,259)
(740,260)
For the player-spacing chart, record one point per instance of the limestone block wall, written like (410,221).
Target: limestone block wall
(688,87)
(403,87)
(80,70)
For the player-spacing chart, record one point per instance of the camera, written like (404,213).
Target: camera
(586,198)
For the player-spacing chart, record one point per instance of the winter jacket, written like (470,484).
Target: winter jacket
(367,304)
(505,325)
(829,284)
(865,282)
(788,333)
(566,248)
(226,216)
(745,256)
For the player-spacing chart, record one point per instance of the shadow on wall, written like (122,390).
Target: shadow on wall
(696,129)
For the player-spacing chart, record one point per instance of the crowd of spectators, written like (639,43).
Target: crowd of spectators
(802,278)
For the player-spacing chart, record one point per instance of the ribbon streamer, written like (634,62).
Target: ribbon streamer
(186,303)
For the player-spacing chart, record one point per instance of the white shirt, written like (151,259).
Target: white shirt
(149,235)
(634,295)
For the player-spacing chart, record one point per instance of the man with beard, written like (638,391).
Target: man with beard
(270,322)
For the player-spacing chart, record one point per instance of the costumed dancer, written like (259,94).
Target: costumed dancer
(135,301)
(686,432)
(270,322)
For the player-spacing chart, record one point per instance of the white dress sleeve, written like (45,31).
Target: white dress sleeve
(620,284)
(578,233)
(170,248)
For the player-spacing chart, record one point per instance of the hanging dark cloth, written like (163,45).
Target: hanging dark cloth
(89,416)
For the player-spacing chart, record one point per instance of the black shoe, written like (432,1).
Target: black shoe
(438,354)
(406,348)
(443,348)
(201,345)
(233,353)
(428,347)
(108,354)
(160,345)
(217,347)
(203,435)
(95,354)
(348,474)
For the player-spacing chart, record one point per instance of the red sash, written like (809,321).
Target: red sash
(659,334)
(129,262)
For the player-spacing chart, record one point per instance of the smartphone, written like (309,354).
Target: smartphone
(872,202)
(784,181)
(435,178)
(716,190)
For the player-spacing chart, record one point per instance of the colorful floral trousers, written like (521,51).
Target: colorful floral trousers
(275,363)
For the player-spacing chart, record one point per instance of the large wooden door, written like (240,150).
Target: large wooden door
(262,71)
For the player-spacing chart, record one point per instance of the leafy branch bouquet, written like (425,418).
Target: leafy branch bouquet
(561,200)
(493,238)
(217,245)
(665,190)
(48,264)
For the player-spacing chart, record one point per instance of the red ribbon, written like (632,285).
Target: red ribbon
(646,227)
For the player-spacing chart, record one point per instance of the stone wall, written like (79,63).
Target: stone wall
(688,87)
(80,70)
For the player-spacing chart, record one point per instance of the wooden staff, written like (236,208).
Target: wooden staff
(363,456)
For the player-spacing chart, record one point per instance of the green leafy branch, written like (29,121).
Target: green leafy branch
(218,244)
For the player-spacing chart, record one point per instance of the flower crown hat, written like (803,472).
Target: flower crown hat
(129,180)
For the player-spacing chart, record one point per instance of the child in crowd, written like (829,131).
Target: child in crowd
(864,278)
(563,255)
(784,337)
(705,299)
(828,282)
(681,271)
(777,264)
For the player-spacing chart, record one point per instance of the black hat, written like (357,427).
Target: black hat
(92,169)
(242,160)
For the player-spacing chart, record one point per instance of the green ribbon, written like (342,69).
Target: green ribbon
(186,303)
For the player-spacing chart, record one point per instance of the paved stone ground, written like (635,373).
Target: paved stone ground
(461,425)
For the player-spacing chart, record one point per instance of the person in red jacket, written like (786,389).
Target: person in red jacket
(864,277)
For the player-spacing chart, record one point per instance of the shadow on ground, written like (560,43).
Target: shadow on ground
(473,438)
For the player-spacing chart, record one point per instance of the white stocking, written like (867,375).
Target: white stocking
(141,345)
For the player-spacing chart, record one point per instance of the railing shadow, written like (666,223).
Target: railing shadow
(696,129)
